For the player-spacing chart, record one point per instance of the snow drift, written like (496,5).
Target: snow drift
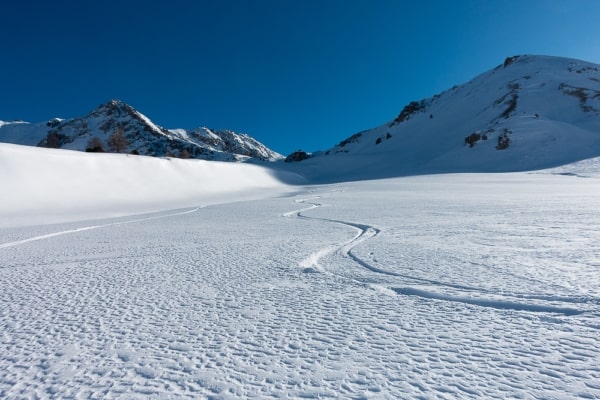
(47,185)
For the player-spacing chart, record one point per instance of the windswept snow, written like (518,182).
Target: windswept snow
(442,286)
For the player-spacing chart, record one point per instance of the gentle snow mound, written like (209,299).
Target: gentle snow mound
(46,185)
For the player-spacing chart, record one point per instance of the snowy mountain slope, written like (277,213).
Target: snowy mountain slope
(589,168)
(41,185)
(433,287)
(24,133)
(138,135)
(531,112)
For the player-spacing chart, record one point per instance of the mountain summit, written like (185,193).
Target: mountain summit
(528,113)
(118,127)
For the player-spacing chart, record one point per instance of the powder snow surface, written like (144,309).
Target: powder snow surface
(443,286)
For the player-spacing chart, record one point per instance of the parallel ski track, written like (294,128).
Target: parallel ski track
(363,232)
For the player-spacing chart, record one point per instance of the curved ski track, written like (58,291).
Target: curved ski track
(365,232)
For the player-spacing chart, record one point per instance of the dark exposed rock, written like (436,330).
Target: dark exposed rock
(408,110)
(503,141)
(510,60)
(351,139)
(297,156)
(472,139)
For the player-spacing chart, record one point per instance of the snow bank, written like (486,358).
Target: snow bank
(45,186)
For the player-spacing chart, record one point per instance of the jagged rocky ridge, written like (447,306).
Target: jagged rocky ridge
(118,127)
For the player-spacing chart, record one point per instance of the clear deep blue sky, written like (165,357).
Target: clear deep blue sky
(293,74)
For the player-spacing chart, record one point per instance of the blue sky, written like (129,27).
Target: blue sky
(293,74)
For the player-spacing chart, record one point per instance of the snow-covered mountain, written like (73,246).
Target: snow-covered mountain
(529,113)
(118,127)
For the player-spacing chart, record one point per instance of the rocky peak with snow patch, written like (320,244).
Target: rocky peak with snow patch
(118,127)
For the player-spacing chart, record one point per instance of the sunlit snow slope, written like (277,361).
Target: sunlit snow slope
(531,112)
(45,185)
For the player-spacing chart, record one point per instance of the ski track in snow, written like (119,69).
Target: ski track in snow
(364,232)
(169,306)
(313,263)
(91,227)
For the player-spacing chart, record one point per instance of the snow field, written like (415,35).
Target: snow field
(470,286)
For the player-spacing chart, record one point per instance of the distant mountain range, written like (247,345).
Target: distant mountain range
(528,113)
(118,127)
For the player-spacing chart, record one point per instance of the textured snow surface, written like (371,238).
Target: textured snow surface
(449,286)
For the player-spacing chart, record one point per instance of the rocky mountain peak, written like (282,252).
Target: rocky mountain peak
(137,134)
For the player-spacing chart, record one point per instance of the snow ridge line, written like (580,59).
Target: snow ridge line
(87,228)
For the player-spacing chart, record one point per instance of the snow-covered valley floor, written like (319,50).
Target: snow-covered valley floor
(447,286)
